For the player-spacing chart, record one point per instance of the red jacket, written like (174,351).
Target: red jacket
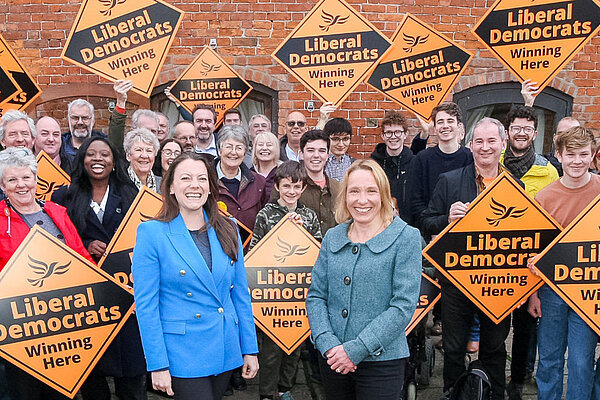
(19,229)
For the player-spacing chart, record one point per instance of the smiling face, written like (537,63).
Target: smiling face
(48,136)
(363,198)
(17,134)
(81,121)
(163,128)
(289,192)
(295,127)
(393,136)
(190,185)
(447,128)
(141,157)
(487,145)
(170,152)
(576,162)
(339,143)
(315,155)
(521,134)
(98,161)
(205,125)
(232,153)
(257,126)
(264,150)
(19,185)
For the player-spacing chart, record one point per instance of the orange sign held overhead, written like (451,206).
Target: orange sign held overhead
(210,80)
(570,265)
(119,251)
(58,312)
(50,177)
(279,271)
(27,89)
(536,39)
(421,68)
(332,50)
(485,253)
(124,39)
(429,294)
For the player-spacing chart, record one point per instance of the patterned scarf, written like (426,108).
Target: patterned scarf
(150,181)
(518,166)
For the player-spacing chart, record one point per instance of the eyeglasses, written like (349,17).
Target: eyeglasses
(389,134)
(517,129)
(84,118)
(171,153)
(300,124)
(185,138)
(337,139)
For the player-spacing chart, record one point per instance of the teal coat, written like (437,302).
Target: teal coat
(193,322)
(363,295)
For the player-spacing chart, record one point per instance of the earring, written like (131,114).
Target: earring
(172,193)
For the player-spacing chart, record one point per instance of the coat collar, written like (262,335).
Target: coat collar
(339,237)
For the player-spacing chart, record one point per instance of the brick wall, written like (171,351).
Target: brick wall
(248,31)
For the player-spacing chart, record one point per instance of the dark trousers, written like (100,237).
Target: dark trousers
(378,380)
(277,369)
(457,320)
(524,331)
(22,386)
(126,388)
(205,388)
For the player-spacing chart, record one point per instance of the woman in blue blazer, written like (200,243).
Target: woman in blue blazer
(364,291)
(191,291)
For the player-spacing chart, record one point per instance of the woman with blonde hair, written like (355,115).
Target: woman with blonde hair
(265,157)
(364,290)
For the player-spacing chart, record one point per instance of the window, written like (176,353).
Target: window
(495,100)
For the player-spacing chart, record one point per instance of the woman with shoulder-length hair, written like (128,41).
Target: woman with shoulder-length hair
(97,200)
(265,158)
(191,290)
(364,290)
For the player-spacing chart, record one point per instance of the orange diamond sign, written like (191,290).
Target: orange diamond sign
(119,251)
(485,253)
(279,271)
(123,39)
(58,312)
(570,265)
(421,68)
(332,50)
(429,294)
(210,80)
(50,177)
(536,39)
(27,89)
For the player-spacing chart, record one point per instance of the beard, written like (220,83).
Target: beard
(80,131)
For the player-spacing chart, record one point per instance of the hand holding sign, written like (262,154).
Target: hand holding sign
(121,88)
(529,90)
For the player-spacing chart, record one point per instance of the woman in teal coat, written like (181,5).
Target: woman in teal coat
(364,290)
(191,291)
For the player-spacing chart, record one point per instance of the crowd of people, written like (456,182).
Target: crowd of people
(193,334)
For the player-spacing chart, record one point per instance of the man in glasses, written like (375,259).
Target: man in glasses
(339,131)
(185,135)
(535,172)
(394,157)
(81,124)
(258,123)
(295,127)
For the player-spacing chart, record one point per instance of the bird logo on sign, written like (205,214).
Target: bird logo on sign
(45,271)
(287,250)
(503,212)
(46,188)
(110,4)
(413,41)
(331,20)
(209,67)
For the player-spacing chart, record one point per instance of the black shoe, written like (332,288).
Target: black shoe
(237,381)
(514,391)
(228,391)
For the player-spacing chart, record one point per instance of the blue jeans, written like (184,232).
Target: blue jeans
(560,327)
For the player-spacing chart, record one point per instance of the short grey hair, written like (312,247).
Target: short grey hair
(16,115)
(79,103)
(17,157)
(257,116)
(143,135)
(233,132)
(138,113)
(488,120)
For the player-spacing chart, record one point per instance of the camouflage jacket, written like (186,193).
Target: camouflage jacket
(273,212)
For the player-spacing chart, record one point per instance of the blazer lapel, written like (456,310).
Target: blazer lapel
(187,249)
(220,260)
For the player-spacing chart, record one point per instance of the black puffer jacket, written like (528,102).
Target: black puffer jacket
(396,169)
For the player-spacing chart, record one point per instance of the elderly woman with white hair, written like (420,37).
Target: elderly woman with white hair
(19,212)
(242,190)
(141,147)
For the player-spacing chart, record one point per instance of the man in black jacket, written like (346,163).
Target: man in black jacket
(394,157)
(450,200)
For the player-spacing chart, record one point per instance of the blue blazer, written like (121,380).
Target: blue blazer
(193,322)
